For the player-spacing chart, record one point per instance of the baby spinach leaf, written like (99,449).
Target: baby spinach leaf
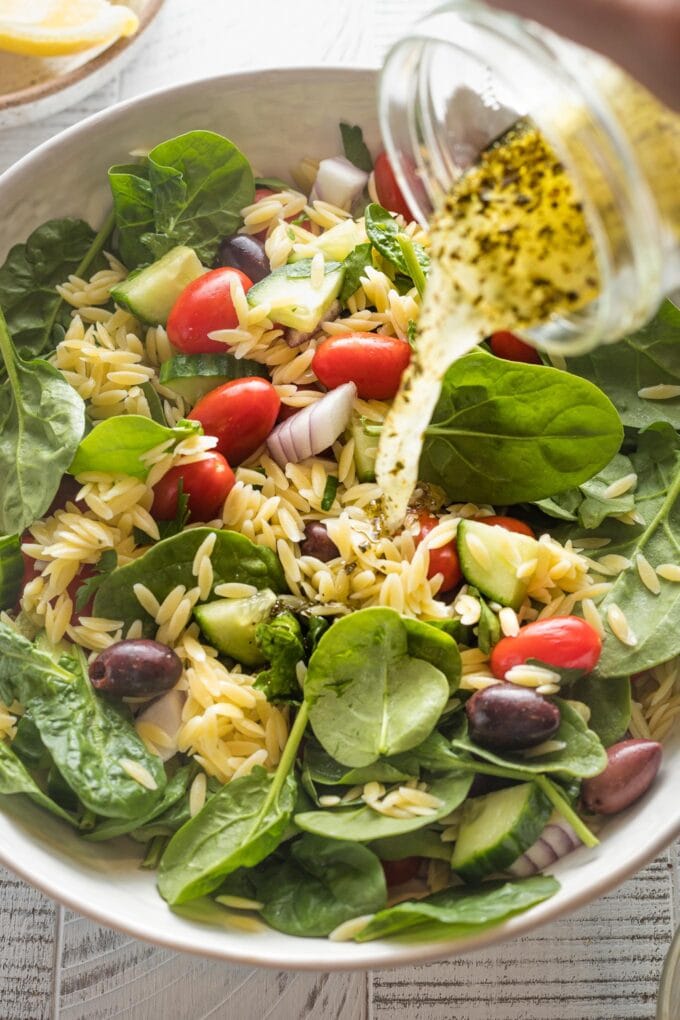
(323,883)
(42,420)
(647,358)
(11,570)
(355,267)
(505,432)
(116,444)
(14,778)
(28,746)
(355,147)
(588,503)
(133,207)
(457,912)
(363,824)
(36,314)
(384,233)
(437,647)
(154,401)
(609,702)
(367,695)
(175,790)
(86,735)
(173,818)
(168,563)
(107,562)
(326,771)
(422,843)
(280,640)
(273,183)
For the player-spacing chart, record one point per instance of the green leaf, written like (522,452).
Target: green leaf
(14,779)
(355,147)
(367,695)
(86,735)
(133,207)
(273,183)
(362,824)
(421,843)
(384,233)
(609,701)
(11,570)
(489,627)
(506,432)
(355,267)
(435,646)
(42,420)
(647,358)
(323,769)
(329,492)
(154,401)
(36,314)
(116,444)
(458,912)
(322,884)
(280,641)
(175,791)
(107,562)
(169,562)
(588,503)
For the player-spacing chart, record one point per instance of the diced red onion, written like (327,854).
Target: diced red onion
(557,840)
(314,428)
(339,182)
(166,713)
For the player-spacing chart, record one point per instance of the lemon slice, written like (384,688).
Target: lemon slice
(52,28)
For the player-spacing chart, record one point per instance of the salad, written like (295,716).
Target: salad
(211,645)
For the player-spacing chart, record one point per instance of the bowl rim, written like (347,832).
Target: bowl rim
(400,954)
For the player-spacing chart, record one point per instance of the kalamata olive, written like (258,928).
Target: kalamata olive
(244,253)
(509,718)
(135,668)
(318,543)
(631,768)
(482,784)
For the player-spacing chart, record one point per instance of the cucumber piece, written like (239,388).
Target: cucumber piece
(365,451)
(11,570)
(194,375)
(230,625)
(497,828)
(338,242)
(150,293)
(507,551)
(292,299)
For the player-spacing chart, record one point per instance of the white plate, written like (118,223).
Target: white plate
(32,88)
(271,115)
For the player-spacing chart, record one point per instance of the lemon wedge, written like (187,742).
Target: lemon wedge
(53,28)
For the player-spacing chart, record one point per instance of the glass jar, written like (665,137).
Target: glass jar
(467,73)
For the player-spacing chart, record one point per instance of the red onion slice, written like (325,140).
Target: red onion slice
(339,182)
(314,428)
(166,713)
(556,841)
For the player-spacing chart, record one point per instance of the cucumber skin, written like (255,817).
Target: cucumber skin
(194,375)
(11,571)
(364,463)
(512,845)
(477,576)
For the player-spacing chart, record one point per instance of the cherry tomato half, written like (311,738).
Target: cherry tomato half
(207,484)
(398,872)
(566,642)
(388,190)
(372,361)
(241,414)
(443,560)
(509,523)
(203,306)
(507,345)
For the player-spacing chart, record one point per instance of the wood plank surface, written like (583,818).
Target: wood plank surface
(27,950)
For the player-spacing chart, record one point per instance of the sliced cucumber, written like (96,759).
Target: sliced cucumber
(230,625)
(365,451)
(11,570)
(194,375)
(292,298)
(497,828)
(337,242)
(151,292)
(506,552)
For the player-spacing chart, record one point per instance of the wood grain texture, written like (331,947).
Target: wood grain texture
(27,927)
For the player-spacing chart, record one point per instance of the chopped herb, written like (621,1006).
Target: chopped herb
(329,492)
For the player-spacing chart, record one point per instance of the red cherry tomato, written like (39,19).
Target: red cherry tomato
(509,523)
(566,642)
(207,483)
(443,560)
(372,361)
(241,414)
(389,192)
(261,193)
(398,872)
(204,306)
(507,345)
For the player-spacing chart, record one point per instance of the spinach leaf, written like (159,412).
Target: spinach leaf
(168,563)
(323,883)
(505,432)
(280,640)
(647,358)
(489,627)
(87,736)
(563,505)
(273,183)
(11,570)
(588,503)
(14,778)
(435,646)
(28,746)
(107,562)
(175,790)
(173,818)
(367,695)
(355,147)
(422,843)
(609,702)
(155,407)
(458,912)
(133,208)
(323,769)
(42,420)
(355,267)
(36,314)
(116,444)
(363,824)
(384,233)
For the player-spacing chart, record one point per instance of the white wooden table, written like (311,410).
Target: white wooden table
(600,964)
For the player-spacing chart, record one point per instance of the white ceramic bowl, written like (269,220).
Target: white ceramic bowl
(276,117)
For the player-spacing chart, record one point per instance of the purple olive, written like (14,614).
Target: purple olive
(244,253)
(318,543)
(631,768)
(135,668)
(506,717)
